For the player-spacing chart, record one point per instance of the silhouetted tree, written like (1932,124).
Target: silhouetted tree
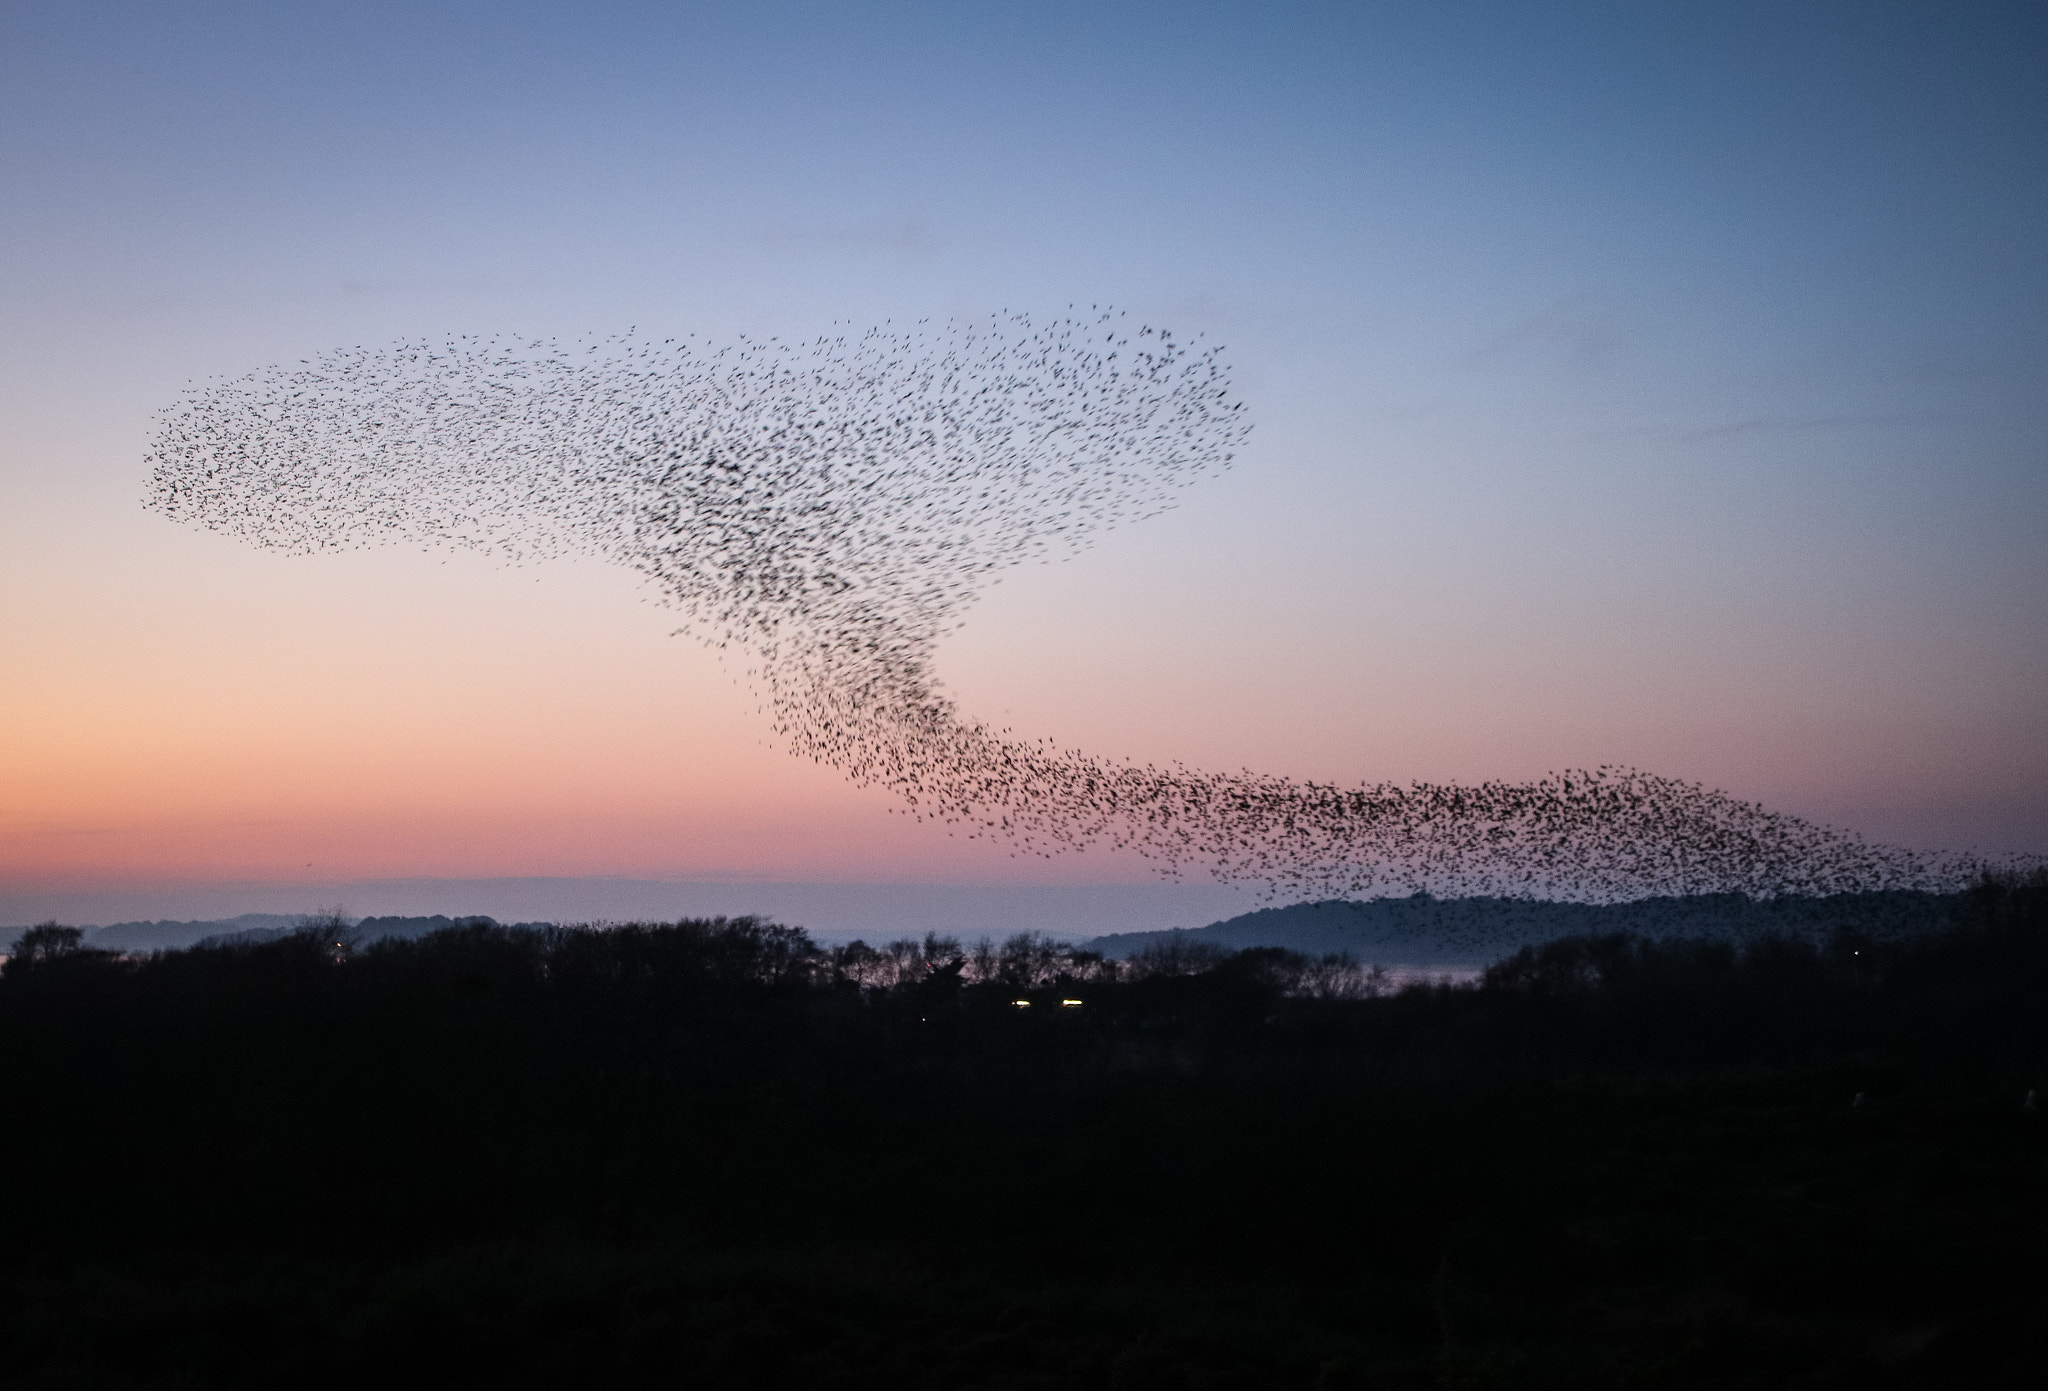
(45,942)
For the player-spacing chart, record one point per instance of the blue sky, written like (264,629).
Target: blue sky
(1632,383)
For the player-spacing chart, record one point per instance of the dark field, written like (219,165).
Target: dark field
(707,1155)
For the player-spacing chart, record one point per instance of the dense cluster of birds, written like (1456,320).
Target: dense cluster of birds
(829,508)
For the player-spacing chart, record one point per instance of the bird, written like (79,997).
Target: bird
(831,508)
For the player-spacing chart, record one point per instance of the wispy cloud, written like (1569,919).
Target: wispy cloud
(1581,328)
(1762,425)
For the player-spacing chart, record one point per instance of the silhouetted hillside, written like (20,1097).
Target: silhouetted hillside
(1470,932)
(717,1154)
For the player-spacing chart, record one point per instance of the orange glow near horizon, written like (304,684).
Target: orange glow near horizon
(393,714)
(389,731)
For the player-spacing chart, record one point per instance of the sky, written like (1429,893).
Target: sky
(1631,384)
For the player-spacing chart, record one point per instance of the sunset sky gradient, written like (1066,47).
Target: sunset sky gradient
(1635,384)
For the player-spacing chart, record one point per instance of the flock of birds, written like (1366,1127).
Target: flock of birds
(831,507)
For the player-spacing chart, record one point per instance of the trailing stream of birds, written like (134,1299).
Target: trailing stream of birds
(830,508)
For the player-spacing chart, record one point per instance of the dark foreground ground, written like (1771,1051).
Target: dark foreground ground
(707,1155)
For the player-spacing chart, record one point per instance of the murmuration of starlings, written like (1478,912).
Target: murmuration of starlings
(828,509)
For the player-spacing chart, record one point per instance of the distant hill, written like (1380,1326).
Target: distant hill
(1426,931)
(367,930)
(1419,931)
(167,935)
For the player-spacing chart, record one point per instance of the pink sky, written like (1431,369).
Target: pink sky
(1626,391)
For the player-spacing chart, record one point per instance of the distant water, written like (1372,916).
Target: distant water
(1404,976)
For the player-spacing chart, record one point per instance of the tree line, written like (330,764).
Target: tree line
(1584,1150)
